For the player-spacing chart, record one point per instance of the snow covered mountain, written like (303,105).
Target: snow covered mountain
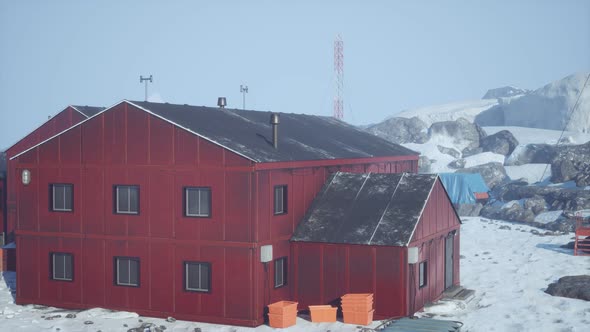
(547,107)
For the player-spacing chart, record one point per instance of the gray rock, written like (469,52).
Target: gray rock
(424,164)
(502,142)
(572,163)
(504,92)
(533,154)
(171,319)
(71,316)
(468,210)
(575,287)
(401,130)
(457,164)
(568,199)
(450,151)
(88,322)
(536,204)
(471,151)
(493,173)
(460,130)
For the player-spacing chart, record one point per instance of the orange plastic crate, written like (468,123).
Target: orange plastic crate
(364,307)
(282,307)
(322,313)
(281,321)
(358,317)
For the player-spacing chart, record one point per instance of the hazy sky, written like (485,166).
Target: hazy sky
(397,54)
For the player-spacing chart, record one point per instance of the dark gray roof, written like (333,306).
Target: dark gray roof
(88,111)
(301,136)
(370,209)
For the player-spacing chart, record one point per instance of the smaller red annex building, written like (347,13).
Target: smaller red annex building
(178,210)
(393,235)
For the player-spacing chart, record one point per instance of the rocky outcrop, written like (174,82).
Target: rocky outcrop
(572,163)
(575,287)
(492,173)
(502,142)
(401,130)
(568,199)
(468,210)
(532,154)
(450,151)
(504,92)
(460,130)
(457,164)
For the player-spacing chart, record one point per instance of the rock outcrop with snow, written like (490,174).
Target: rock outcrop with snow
(504,92)
(401,130)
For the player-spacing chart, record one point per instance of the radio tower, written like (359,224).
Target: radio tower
(339,69)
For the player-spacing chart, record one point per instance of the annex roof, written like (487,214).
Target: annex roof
(301,136)
(369,209)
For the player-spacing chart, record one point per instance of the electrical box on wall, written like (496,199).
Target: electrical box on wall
(412,255)
(266,253)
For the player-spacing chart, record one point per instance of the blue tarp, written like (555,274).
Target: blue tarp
(462,186)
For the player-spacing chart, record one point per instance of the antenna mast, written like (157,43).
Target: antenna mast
(145,79)
(339,70)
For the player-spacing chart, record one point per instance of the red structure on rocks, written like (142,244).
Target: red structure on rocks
(177,210)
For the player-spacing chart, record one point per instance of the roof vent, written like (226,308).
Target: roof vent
(274,121)
(221,102)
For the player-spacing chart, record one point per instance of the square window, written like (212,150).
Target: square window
(127,271)
(197,202)
(127,199)
(62,197)
(280,272)
(280,199)
(423,274)
(62,266)
(197,276)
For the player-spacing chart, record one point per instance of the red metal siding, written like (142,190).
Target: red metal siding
(325,272)
(437,222)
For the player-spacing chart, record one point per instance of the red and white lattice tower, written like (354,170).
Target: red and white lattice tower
(339,69)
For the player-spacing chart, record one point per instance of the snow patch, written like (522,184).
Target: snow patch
(531,173)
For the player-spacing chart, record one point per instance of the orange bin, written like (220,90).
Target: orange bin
(357,309)
(322,313)
(282,314)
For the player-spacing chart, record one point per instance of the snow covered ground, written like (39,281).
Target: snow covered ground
(507,265)
(525,135)
(449,112)
(509,268)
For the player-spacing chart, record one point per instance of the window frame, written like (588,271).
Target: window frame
(52,255)
(285,191)
(186,199)
(116,199)
(423,274)
(52,187)
(185,265)
(284,271)
(116,271)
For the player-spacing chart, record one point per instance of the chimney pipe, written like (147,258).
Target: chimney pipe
(221,102)
(274,121)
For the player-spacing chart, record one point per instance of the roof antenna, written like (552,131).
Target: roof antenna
(145,79)
(243,90)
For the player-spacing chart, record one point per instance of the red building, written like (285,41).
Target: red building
(169,209)
(393,235)
(66,118)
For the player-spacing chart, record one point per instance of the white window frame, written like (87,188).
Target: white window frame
(187,205)
(53,195)
(280,193)
(63,255)
(129,260)
(186,277)
(128,188)
(280,272)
